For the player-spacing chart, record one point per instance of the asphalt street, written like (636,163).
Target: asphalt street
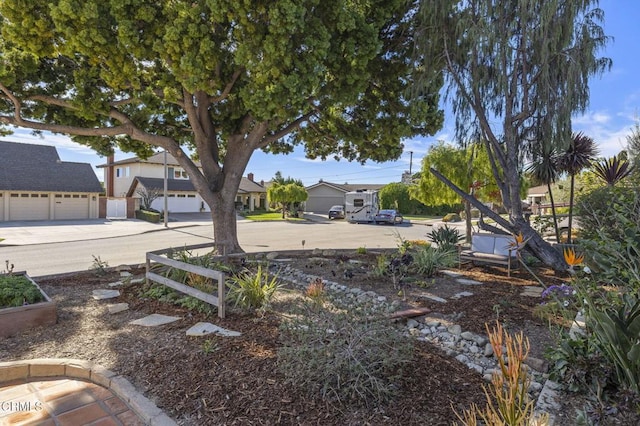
(49,255)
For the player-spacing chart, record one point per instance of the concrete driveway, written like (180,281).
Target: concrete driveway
(19,233)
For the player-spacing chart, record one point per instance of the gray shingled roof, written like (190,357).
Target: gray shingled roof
(348,187)
(185,185)
(27,167)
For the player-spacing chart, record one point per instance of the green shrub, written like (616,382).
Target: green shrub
(18,290)
(610,234)
(427,260)
(148,216)
(347,357)
(445,238)
(361,250)
(252,290)
(452,217)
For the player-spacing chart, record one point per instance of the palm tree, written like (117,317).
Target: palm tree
(545,169)
(582,149)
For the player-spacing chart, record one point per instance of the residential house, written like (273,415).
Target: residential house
(36,185)
(323,195)
(125,179)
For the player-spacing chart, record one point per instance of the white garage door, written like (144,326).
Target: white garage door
(323,204)
(178,203)
(26,206)
(71,206)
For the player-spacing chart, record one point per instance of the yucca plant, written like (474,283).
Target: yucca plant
(617,331)
(252,290)
(445,237)
(579,154)
(612,170)
(427,260)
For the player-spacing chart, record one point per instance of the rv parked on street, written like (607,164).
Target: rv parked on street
(361,206)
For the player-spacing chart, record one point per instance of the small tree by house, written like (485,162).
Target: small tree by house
(148,196)
(286,195)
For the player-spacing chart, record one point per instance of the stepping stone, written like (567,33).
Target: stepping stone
(409,313)
(462,294)
(125,274)
(105,294)
(154,320)
(434,298)
(115,284)
(465,281)
(121,268)
(532,291)
(118,307)
(137,281)
(204,328)
(452,274)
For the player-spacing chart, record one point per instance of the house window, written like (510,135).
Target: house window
(84,196)
(122,172)
(191,196)
(179,173)
(181,196)
(58,195)
(24,195)
(44,195)
(15,195)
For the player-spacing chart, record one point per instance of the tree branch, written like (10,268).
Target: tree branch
(227,88)
(285,130)
(473,200)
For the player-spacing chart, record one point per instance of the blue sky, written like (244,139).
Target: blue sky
(613,111)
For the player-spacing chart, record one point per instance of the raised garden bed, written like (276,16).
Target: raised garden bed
(14,319)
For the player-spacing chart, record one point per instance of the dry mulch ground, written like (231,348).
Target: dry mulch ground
(235,381)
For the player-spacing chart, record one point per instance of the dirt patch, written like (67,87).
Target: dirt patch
(235,381)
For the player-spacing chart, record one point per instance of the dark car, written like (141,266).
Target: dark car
(388,216)
(336,212)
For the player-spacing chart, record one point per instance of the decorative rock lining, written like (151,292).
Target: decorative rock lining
(88,371)
(471,349)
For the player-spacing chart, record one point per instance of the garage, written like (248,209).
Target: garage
(36,185)
(28,206)
(178,203)
(70,206)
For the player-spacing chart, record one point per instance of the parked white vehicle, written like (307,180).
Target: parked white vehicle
(361,206)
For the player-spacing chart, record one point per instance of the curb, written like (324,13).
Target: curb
(90,372)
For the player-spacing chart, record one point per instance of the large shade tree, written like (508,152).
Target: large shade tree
(223,78)
(516,71)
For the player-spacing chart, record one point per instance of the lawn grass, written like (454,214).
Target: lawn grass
(269,217)
(420,217)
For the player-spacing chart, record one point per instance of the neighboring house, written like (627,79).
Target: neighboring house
(125,178)
(36,185)
(323,195)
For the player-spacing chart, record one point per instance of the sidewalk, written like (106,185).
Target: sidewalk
(19,233)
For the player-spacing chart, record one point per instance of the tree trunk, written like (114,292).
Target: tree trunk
(553,212)
(223,215)
(467,214)
(538,247)
(570,209)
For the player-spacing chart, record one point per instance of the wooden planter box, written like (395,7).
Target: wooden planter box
(15,320)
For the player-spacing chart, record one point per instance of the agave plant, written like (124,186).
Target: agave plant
(612,170)
(582,149)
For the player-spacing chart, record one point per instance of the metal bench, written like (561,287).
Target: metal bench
(489,248)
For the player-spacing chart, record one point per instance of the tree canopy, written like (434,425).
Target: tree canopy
(221,77)
(516,72)
(286,195)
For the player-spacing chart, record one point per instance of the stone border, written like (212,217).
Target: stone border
(87,371)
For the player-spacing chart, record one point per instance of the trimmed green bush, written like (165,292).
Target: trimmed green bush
(18,290)
(148,216)
(452,217)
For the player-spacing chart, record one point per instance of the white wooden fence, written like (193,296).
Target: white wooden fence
(159,256)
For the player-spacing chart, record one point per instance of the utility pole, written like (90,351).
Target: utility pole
(166,209)
(410,160)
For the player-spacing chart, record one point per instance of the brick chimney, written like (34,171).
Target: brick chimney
(250,177)
(110,175)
